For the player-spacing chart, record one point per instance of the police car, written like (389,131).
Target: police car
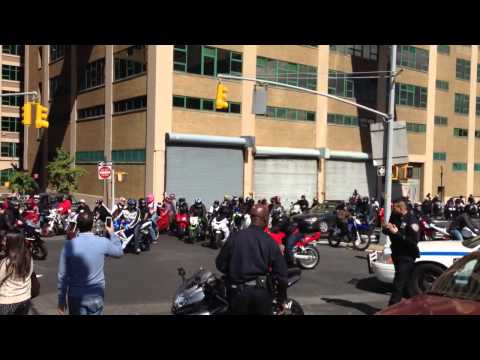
(435,258)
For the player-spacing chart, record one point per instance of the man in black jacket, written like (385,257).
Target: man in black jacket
(458,223)
(403,230)
(247,258)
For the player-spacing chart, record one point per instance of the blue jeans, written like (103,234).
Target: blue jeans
(87,305)
(457,235)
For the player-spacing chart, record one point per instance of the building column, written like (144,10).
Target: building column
(73,100)
(248,117)
(321,128)
(108,117)
(430,122)
(472,115)
(159,115)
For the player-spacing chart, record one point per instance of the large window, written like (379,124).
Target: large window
(129,156)
(57,52)
(441,120)
(12,49)
(339,85)
(10,124)
(287,73)
(411,95)
(440,156)
(477,107)
(338,119)
(463,69)
(461,103)
(369,52)
(137,103)
(290,114)
(443,49)
(477,134)
(131,61)
(92,75)
(206,60)
(459,166)
(412,57)
(11,72)
(195,103)
(442,85)
(91,112)
(415,127)
(11,100)
(10,149)
(476,167)
(89,157)
(460,132)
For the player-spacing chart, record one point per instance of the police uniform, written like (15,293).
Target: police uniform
(404,246)
(247,256)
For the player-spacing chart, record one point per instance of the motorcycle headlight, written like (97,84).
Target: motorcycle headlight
(180,301)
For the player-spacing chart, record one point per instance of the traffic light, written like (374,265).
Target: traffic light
(27,114)
(221,101)
(395,173)
(41,115)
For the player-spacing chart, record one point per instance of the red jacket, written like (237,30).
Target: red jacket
(277,237)
(64,207)
(31,215)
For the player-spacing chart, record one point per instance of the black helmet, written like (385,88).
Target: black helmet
(279,220)
(98,202)
(14,202)
(142,203)
(365,199)
(216,203)
(131,203)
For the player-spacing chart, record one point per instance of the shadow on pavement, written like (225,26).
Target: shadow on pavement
(361,257)
(372,284)
(364,308)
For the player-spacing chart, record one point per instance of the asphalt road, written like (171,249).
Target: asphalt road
(145,284)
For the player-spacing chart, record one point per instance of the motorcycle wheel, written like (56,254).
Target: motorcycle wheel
(311,263)
(39,250)
(360,244)
(181,233)
(295,308)
(218,241)
(191,236)
(334,240)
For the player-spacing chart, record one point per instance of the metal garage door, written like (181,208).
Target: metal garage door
(287,178)
(342,177)
(205,172)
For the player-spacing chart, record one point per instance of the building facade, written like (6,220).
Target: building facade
(11,63)
(150,109)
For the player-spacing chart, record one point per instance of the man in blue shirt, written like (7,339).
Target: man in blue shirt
(80,272)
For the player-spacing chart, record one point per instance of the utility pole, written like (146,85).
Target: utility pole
(389,139)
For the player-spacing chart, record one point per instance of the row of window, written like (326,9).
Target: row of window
(412,57)
(461,103)
(10,124)
(415,127)
(287,73)
(460,132)
(441,120)
(137,103)
(369,52)
(442,84)
(206,60)
(12,49)
(411,95)
(131,61)
(92,75)
(443,49)
(135,156)
(90,112)
(290,114)
(10,149)
(340,85)
(195,103)
(339,119)
(463,69)
(57,52)
(11,100)
(442,156)
(12,72)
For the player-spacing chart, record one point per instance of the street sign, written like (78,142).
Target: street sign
(381,171)
(259,101)
(104,172)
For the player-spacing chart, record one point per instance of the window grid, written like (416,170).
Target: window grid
(339,119)
(92,75)
(136,103)
(463,69)
(129,156)
(440,156)
(287,73)
(193,103)
(442,85)
(369,52)
(459,166)
(12,49)
(477,133)
(11,124)
(90,112)
(443,49)
(89,156)
(12,100)
(57,52)
(410,95)
(461,103)
(340,86)
(460,132)
(415,127)
(412,57)
(289,114)
(11,72)
(476,167)
(10,149)
(125,66)
(441,120)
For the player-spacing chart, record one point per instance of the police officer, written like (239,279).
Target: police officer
(404,234)
(246,258)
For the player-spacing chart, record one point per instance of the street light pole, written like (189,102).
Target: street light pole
(389,138)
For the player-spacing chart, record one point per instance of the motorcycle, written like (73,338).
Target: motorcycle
(195,230)
(237,221)
(204,293)
(429,231)
(450,210)
(56,224)
(295,209)
(163,221)
(472,210)
(359,233)
(126,234)
(181,222)
(219,231)
(33,240)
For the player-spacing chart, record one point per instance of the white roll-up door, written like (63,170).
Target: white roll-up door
(287,178)
(342,177)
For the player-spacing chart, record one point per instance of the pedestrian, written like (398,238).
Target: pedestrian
(404,234)
(16,277)
(81,278)
(247,258)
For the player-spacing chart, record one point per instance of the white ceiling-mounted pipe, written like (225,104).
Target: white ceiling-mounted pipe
(176,138)
(266,151)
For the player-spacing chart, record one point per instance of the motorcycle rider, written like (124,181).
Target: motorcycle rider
(247,258)
(471,207)
(214,208)
(303,202)
(450,205)
(460,204)
(31,215)
(198,209)
(427,205)
(100,211)
(366,210)
(152,212)
(144,217)
(119,207)
(82,206)
(65,206)
(461,221)
(131,215)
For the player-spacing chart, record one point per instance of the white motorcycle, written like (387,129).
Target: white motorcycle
(56,223)
(126,235)
(219,231)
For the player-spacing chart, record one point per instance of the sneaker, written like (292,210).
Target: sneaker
(138,251)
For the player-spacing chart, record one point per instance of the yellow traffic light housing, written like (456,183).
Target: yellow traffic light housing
(27,114)
(395,173)
(41,115)
(221,100)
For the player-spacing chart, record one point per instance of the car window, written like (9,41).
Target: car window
(461,280)
(472,242)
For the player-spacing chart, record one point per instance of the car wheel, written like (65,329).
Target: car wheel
(423,277)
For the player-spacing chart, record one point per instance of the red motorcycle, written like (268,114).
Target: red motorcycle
(429,231)
(181,223)
(163,221)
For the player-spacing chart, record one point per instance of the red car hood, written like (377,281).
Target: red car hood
(433,305)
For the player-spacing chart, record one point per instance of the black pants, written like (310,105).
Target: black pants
(403,273)
(21,308)
(252,301)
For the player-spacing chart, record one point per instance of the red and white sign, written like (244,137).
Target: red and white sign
(104,172)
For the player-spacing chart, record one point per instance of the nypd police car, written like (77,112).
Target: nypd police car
(435,258)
